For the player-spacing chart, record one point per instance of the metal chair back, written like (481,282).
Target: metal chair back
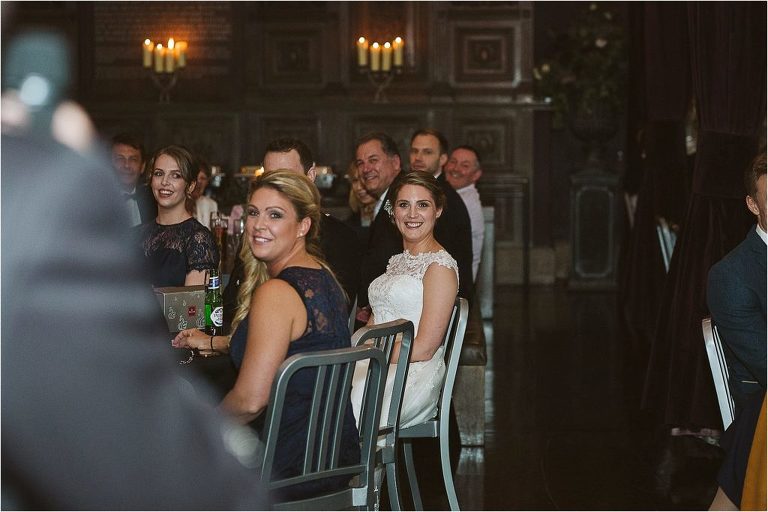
(384,336)
(667,239)
(438,427)
(333,380)
(719,368)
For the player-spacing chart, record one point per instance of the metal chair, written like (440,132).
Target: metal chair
(719,368)
(667,238)
(438,426)
(352,317)
(383,336)
(330,399)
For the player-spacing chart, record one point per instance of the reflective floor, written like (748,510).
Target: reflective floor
(563,431)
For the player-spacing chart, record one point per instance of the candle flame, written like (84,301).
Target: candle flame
(375,45)
(171,43)
(387,45)
(147,42)
(398,39)
(361,40)
(160,45)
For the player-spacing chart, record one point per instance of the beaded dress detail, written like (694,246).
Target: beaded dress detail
(399,293)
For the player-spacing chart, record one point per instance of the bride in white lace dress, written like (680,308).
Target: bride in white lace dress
(420,285)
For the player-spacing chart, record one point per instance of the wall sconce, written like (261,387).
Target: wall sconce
(381,63)
(162,64)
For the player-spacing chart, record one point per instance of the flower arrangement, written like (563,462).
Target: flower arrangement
(588,64)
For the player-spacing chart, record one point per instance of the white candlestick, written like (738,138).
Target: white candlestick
(181,48)
(146,53)
(170,59)
(375,57)
(159,58)
(397,46)
(386,57)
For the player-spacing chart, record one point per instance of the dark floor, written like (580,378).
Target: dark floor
(563,431)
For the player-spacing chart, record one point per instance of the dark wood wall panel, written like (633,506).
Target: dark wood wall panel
(399,127)
(492,136)
(216,137)
(110,48)
(261,70)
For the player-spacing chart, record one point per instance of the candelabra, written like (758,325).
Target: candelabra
(164,82)
(381,64)
(164,64)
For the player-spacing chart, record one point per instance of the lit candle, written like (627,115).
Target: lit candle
(159,56)
(375,57)
(181,48)
(146,53)
(386,57)
(397,46)
(170,63)
(362,52)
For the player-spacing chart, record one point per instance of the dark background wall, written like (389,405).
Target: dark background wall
(258,70)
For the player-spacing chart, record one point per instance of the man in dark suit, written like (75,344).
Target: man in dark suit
(737,298)
(128,159)
(378,165)
(95,414)
(429,153)
(338,242)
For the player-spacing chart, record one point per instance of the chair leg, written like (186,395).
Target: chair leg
(445,463)
(393,486)
(411,470)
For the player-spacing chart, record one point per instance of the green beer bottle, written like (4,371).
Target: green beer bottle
(214,310)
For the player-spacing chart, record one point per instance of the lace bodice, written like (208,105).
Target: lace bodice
(398,293)
(171,251)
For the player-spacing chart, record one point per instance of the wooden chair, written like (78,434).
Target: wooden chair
(438,426)
(322,444)
(719,368)
(383,336)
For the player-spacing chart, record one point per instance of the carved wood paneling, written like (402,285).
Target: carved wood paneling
(485,54)
(305,129)
(510,195)
(400,128)
(213,137)
(493,138)
(292,59)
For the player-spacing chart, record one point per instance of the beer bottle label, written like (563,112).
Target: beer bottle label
(213,282)
(217,316)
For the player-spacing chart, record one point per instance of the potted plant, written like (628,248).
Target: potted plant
(585,78)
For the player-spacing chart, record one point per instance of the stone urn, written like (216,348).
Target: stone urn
(594,123)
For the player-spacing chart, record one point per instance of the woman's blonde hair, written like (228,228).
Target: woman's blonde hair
(354,202)
(305,198)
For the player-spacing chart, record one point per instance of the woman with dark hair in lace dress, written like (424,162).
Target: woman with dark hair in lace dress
(178,249)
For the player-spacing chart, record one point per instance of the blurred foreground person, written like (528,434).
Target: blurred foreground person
(94,415)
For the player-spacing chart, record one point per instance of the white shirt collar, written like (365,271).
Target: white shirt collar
(468,187)
(377,207)
(762,234)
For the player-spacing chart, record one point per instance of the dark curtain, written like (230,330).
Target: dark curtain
(659,74)
(728,64)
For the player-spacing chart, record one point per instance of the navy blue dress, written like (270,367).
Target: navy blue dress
(326,329)
(174,250)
